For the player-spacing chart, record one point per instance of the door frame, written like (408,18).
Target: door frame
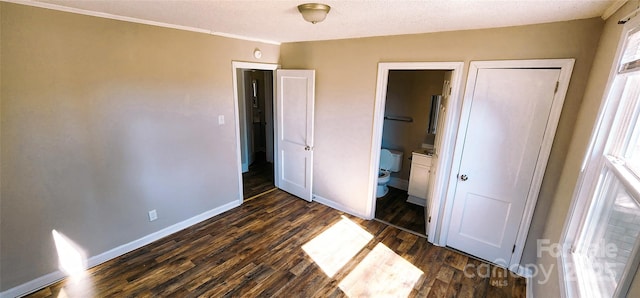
(566,68)
(444,160)
(235,66)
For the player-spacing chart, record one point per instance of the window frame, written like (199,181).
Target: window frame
(595,163)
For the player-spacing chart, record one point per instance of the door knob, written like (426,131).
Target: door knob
(307,148)
(464,177)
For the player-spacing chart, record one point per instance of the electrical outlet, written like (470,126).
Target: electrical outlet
(153,215)
(221,120)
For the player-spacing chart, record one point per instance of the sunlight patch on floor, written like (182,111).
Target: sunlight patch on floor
(382,273)
(333,249)
(77,287)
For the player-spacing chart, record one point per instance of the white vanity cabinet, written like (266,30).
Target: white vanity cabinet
(419,178)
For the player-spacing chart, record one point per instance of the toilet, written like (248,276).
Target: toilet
(390,161)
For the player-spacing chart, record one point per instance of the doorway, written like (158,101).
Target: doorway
(254,98)
(408,129)
(411,111)
(257,167)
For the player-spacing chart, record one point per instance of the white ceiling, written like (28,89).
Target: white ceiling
(279,20)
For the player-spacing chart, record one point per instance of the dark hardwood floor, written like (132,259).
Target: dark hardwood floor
(394,209)
(279,245)
(259,178)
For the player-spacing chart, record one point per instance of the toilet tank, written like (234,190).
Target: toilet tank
(391,160)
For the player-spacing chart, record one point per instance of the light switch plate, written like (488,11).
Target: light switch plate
(153,215)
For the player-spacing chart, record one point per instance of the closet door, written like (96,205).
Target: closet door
(507,121)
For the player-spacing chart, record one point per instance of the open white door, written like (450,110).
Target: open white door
(437,148)
(295,96)
(502,158)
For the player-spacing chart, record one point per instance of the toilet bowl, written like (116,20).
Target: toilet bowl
(384,176)
(390,161)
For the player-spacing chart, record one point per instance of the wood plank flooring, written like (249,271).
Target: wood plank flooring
(264,248)
(394,209)
(258,179)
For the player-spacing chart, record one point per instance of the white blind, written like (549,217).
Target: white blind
(631,55)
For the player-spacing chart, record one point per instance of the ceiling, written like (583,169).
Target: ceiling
(278,21)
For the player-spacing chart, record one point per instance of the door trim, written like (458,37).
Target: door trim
(566,68)
(444,161)
(235,66)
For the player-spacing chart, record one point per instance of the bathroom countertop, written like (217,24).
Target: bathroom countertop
(425,151)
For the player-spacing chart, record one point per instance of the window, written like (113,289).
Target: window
(602,237)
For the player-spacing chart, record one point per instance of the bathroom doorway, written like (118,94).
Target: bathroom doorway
(412,104)
(254,91)
(411,109)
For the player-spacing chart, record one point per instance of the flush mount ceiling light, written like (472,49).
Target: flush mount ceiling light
(314,12)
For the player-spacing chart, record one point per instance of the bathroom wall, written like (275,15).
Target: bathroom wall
(258,112)
(255,137)
(409,95)
(104,120)
(255,116)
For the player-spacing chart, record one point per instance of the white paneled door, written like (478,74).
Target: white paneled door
(507,119)
(294,131)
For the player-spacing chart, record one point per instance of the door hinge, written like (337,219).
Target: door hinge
(556,89)
(514,249)
(429,220)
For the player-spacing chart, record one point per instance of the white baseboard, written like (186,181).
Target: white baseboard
(417,201)
(337,206)
(53,277)
(33,285)
(529,288)
(527,273)
(399,183)
(524,271)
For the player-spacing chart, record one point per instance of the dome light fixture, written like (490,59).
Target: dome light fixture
(314,12)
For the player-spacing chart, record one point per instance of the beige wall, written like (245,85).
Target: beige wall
(409,95)
(346,73)
(559,207)
(104,120)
